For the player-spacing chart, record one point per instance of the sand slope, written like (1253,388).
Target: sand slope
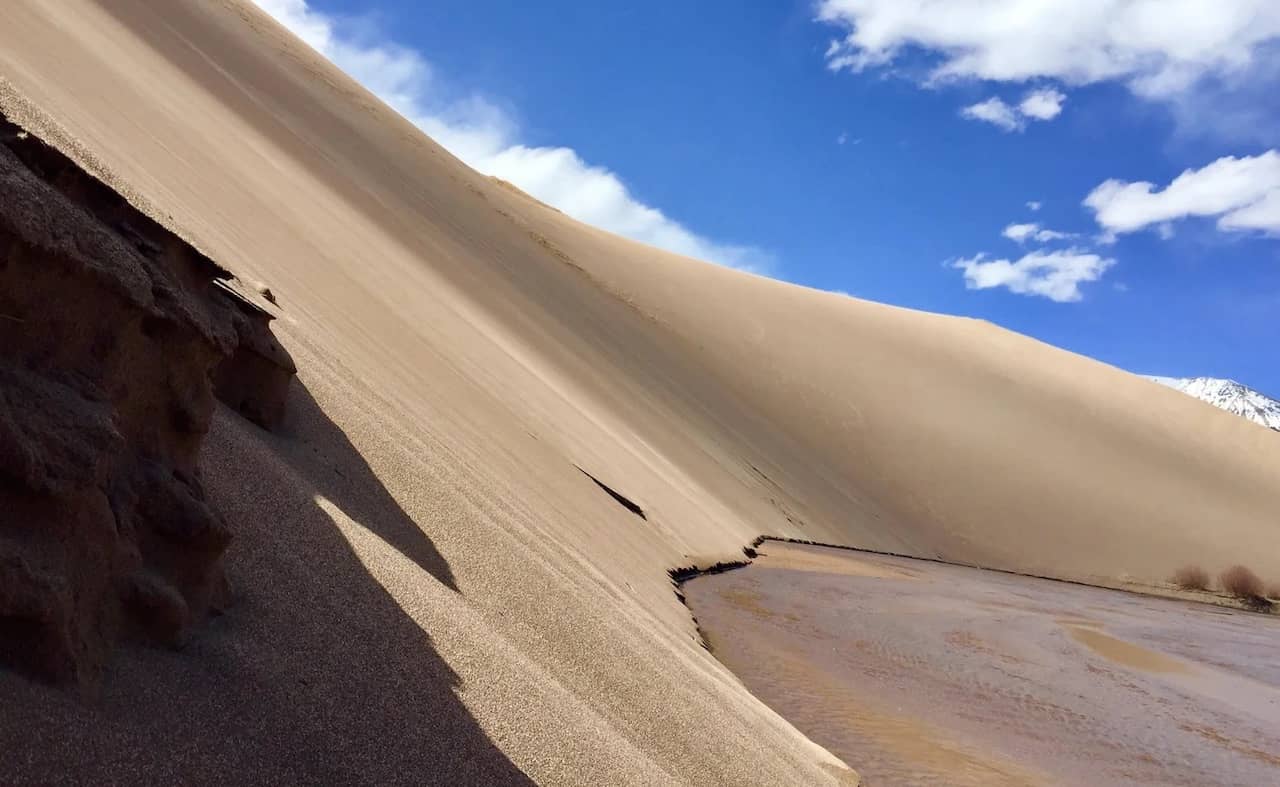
(429,588)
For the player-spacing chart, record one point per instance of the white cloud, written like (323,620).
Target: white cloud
(1242,193)
(1021,233)
(995,112)
(1214,65)
(1044,104)
(1157,47)
(485,137)
(1056,275)
(1046,236)
(1034,206)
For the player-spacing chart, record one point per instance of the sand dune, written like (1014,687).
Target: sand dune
(429,588)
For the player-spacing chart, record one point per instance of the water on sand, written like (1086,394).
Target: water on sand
(917,672)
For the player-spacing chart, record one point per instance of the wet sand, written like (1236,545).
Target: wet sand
(921,673)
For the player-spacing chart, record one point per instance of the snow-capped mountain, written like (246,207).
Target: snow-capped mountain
(1230,396)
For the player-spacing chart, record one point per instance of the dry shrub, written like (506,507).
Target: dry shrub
(1240,582)
(1191,578)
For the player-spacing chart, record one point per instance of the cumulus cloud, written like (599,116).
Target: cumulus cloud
(1241,193)
(1156,46)
(1053,274)
(1021,233)
(1043,104)
(1186,54)
(1056,275)
(482,135)
(1034,206)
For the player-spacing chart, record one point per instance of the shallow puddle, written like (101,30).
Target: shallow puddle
(1126,653)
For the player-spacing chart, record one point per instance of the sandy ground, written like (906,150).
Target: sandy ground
(924,673)
(430,587)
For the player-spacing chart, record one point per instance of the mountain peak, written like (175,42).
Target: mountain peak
(1228,395)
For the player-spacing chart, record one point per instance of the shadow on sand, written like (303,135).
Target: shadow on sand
(316,674)
(319,451)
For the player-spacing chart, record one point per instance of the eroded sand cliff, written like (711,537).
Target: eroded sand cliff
(113,329)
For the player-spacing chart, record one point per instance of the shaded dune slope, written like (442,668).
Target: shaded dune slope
(431,580)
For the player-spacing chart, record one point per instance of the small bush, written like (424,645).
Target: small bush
(1240,582)
(1191,578)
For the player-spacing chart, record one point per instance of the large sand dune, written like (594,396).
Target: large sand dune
(428,587)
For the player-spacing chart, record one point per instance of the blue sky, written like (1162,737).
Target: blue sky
(888,149)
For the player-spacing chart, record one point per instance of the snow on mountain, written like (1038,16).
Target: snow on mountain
(1228,395)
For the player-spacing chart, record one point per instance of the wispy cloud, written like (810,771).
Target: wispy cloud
(995,112)
(480,133)
(1021,233)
